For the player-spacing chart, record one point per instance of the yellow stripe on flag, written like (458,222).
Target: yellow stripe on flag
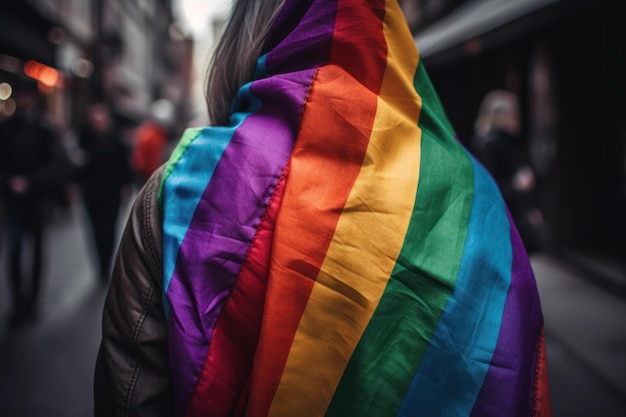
(367,241)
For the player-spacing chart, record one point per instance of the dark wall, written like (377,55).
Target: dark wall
(588,184)
(584,191)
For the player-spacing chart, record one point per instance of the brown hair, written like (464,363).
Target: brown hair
(234,61)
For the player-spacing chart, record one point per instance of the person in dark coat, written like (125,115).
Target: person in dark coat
(33,164)
(499,146)
(104,174)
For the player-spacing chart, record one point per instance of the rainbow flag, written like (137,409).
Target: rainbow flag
(335,251)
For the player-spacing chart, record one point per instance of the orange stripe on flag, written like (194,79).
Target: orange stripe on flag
(321,176)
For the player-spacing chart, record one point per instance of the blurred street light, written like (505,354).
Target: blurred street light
(5,91)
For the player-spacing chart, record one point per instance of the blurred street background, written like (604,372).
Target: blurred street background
(562,60)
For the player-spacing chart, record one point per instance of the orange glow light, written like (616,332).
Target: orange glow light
(46,75)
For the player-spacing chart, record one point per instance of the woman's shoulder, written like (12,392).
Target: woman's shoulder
(142,237)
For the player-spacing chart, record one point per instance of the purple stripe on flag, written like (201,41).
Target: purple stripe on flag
(507,389)
(226,219)
(308,44)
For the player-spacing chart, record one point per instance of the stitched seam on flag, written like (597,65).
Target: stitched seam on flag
(246,261)
(538,359)
(268,405)
(244,266)
(306,100)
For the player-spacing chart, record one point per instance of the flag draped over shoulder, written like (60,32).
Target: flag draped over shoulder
(335,251)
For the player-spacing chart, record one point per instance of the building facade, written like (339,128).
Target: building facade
(128,53)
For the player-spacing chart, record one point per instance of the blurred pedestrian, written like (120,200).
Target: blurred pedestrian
(499,146)
(104,176)
(325,247)
(151,140)
(33,168)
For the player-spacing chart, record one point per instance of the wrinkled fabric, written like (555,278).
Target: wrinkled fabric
(335,251)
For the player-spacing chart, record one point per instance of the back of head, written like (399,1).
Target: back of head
(235,57)
(498,110)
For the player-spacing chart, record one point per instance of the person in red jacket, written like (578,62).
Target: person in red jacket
(151,140)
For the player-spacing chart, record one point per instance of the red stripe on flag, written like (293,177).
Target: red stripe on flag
(228,364)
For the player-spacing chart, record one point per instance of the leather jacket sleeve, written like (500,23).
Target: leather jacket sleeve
(132,375)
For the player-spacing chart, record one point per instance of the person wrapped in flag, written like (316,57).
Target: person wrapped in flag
(326,247)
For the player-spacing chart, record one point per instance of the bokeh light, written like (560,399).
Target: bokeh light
(46,75)
(5,91)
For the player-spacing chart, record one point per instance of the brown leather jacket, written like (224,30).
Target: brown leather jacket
(132,376)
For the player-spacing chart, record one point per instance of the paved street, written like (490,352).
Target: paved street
(585,340)
(46,369)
